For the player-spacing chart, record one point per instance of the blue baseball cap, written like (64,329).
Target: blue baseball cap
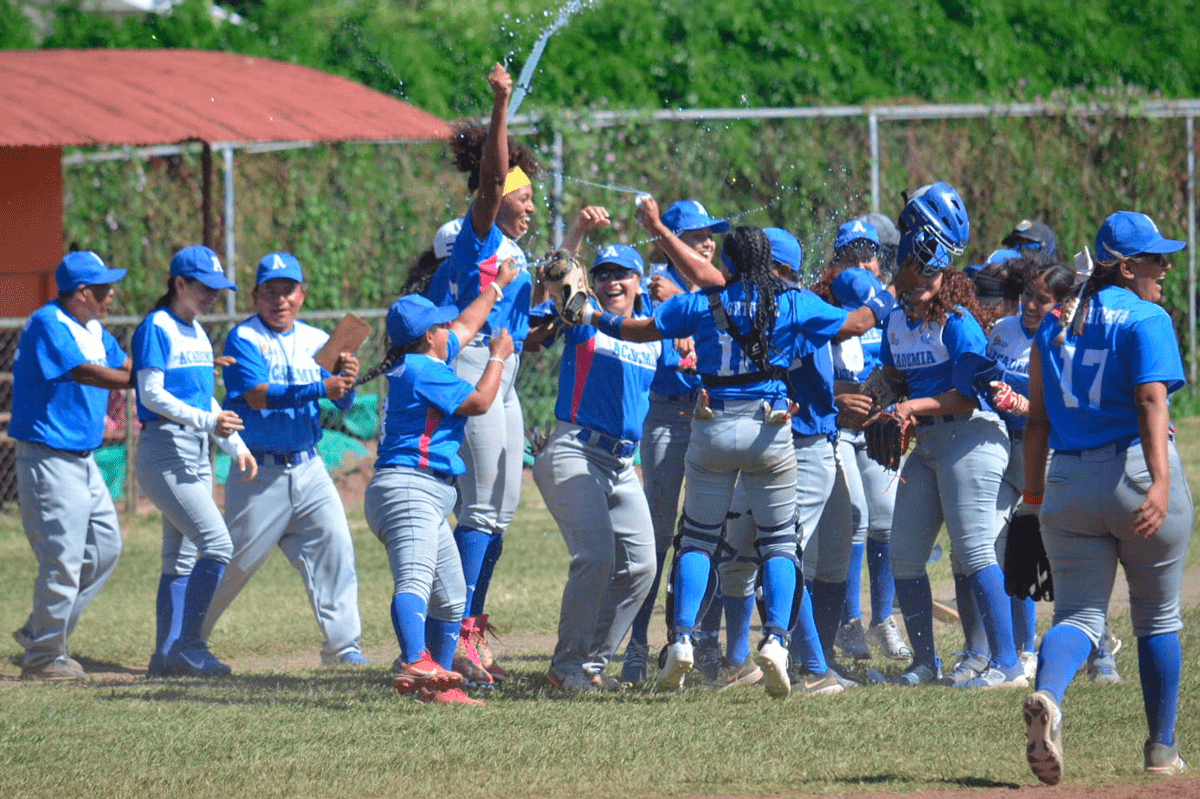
(620,255)
(691,215)
(785,249)
(278,264)
(84,268)
(856,230)
(853,287)
(411,315)
(201,263)
(1128,233)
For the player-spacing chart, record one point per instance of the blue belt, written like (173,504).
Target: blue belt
(285,458)
(927,421)
(777,404)
(613,446)
(688,398)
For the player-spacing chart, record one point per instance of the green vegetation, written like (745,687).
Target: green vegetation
(283,727)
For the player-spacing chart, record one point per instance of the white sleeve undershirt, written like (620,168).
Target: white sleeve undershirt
(156,399)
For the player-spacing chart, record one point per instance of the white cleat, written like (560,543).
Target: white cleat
(679,662)
(773,660)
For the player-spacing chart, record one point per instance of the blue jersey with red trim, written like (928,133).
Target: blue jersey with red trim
(604,383)
(472,267)
(420,426)
(1088,380)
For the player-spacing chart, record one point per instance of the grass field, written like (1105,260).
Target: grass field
(281,726)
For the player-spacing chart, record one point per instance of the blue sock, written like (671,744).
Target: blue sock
(853,606)
(1063,652)
(201,585)
(988,586)
(490,557)
(691,579)
(639,632)
(975,640)
(408,620)
(168,611)
(827,601)
(916,603)
(738,611)
(779,590)
(442,637)
(1159,660)
(1024,621)
(472,547)
(883,586)
(806,644)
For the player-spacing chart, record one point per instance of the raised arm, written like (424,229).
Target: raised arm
(689,263)
(471,320)
(493,164)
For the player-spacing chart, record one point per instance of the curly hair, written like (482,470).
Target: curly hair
(749,251)
(956,290)
(466,145)
(822,286)
(420,272)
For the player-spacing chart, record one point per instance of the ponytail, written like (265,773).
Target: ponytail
(390,359)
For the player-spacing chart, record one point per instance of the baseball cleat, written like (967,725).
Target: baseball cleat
(194,661)
(1163,759)
(61,669)
(1043,735)
(731,676)
(886,637)
(449,696)
(633,668)
(852,640)
(917,674)
(424,672)
(773,659)
(678,663)
(968,667)
(1102,668)
(997,677)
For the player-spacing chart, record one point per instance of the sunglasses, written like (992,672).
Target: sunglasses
(100,290)
(612,273)
(1028,246)
(1158,259)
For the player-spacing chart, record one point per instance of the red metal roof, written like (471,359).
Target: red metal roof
(94,97)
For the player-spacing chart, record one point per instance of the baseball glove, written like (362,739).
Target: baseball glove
(1026,567)
(566,284)
(887,438)
(537,438)
(884,389)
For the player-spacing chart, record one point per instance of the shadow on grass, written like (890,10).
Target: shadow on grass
(979,782)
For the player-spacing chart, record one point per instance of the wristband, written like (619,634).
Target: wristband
(1032,497)
(609,324)
(881,305)
(499,291)
(497,360)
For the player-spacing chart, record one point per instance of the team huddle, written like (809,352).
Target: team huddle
(807,430)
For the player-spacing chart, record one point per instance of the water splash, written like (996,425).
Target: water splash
(617,187)
(522,85)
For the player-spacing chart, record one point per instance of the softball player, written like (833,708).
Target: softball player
(494,442)
(586,476)
(418,464)
(953,475)
(853,280)
(1114,491)
(667,429)
(273,385)
(173,361)
(64,367)
(739,428)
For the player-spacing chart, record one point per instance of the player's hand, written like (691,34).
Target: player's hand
(338,386)
(592,217)
(853,410)
(500,81)
(1004,398)
(1025,509)
(223,361)
(501,344)
(662,287)
(228,422)
(247,466)
(346,365)
(647,214)
(506,273)
(1149,516)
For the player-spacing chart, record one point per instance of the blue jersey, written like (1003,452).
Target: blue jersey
(925,352)
(803,323)
(668,380)
(420,427)
(471,268)
(184,354)
(603,382)
(1088,381)
(852,288)
(262,355)
(1009,344)
(872,342)
(48,406)
(811,379)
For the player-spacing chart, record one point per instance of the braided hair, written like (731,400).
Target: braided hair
(466,145)
(392,357)
(748,252)
(1073,310)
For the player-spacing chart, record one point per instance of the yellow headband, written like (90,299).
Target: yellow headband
(517,179)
